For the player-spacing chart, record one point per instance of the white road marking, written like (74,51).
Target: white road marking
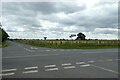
(66,64)
(117,59)
(34,48)
(109,60)
(6,70)
(31,67)
(28,50)
(47,50)
(69,67)
(32,71)
(52,69)
(105,69)
(80,62)
(54,50)
(91,61)
(50,66)
(98,52)
(26,56)
(86,65)
(25,48)
(7,74)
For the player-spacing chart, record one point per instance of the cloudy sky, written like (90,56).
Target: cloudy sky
(95,18)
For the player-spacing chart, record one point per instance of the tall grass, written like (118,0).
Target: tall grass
(73,44)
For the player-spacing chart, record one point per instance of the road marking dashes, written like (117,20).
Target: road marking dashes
(91,61)
(34,48)
(54,50)
(31,68)
(49,66)
(51,69)
(80,62)
(7,70)
(47,50)
(86,65)
(109,60)
(69,67)
(28,50)
(66,64)
(32,71)
(7,74)
(117,59)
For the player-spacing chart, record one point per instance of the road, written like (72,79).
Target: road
(25,61)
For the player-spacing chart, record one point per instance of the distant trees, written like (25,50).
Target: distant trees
(80,36)
(72,35)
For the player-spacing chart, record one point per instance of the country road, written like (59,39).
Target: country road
(25,61)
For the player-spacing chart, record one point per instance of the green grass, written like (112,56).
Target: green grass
(3,44)
(67,44)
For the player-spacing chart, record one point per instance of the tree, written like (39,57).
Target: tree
(45,38)
(3,34)
(80,36)
(72,35)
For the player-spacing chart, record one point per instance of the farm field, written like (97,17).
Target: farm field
(73,44)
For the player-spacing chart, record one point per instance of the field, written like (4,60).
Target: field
(73,44)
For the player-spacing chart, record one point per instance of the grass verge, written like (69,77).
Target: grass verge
(3,44)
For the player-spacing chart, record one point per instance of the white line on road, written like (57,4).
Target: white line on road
(86,65)
(26,56)
(47,50)
(50,66)
(105,69)
(109,60)
(54,50)
(80,62)
(31,67)
(52,69)
(34,48)
(66,64)
(117,59)
(28,50)
(69,67)
(6,70)
(91,61)
(32,71)
(7,74)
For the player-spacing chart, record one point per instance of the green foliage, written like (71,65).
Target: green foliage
(3,35)
(81,36)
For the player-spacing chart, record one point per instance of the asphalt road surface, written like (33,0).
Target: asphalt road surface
(25,61)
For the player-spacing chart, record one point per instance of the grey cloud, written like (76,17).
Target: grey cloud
(28,16)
